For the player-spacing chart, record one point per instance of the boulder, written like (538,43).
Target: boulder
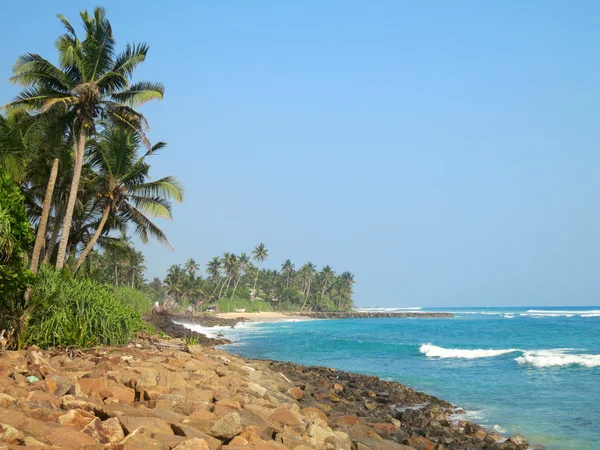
(10,435)
(109,431)
(76,418)
(193,444)
(151,424)
(227,427)
(56,385)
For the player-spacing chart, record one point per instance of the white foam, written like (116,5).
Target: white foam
(433,351)
(557,358)
(509,316)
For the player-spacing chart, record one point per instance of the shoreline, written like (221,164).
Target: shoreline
(425,415)
(166,394)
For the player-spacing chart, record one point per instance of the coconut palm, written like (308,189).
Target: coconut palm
(243,264)
(122,180)
(327,276)
(192,267)
(90,82)
(308,272)
(287,269)
(260,254)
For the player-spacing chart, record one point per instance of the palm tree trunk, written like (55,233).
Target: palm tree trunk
(40,239)
(53,240)
(79,146)
(306,298)
(235,286)
(90,245)
(255,280)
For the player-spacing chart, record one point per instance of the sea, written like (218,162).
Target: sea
(531,370)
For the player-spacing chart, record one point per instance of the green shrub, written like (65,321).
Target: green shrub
(134,299)
(239,303)
(69,311)
(16,239)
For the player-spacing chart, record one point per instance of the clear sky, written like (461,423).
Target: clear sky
(446,153)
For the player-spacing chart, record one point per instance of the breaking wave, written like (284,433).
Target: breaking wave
(538,358)
(557,358)
(433,351)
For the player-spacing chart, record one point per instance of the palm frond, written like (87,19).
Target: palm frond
(168,187)
(140,93)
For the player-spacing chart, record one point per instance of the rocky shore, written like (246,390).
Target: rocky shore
(156,394)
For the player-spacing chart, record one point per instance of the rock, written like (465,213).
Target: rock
(57,385)
(517,439)
(227,427)
(419,443)
(193,444)
(109,431)
(319,433)
(375,444)
(76,418)
(10,435)
(151,424)
(296,393)
(6,400)
(285,416)
(138,440)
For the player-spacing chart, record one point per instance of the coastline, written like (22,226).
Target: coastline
(414,413)
(185,397)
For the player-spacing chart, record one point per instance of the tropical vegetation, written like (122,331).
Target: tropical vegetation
(76,186)
(234,282)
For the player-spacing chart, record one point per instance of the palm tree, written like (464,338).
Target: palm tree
(308,271)
(213,269)
(243,264)
(90,82)
(192,267)
(122,179)
(287,269)
(327,276)
(260,254)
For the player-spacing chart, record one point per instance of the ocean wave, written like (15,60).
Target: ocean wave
(557,358)
(433,351)
(509,316)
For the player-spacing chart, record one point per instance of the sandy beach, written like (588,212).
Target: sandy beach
(261,316)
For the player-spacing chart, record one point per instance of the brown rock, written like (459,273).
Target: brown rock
(6,400)
(419,443)
(91,385)
(296,393)
(57,385)
(151,424)
(138,440)
(374,444)
(227,427)
(76,418)
(109,431)
(118,392)
(284,416)
(10,435)
(193,444)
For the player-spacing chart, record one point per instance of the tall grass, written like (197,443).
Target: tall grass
(134,299)
(68,311)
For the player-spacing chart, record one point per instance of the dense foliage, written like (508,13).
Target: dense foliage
(75,166)
(69,311)
(234,282)
(16,238)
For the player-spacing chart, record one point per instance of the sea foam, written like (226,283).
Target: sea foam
(433,351)
(557,358)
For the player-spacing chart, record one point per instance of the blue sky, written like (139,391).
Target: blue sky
(446,153)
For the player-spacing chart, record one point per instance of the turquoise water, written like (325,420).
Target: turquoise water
(534,371)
